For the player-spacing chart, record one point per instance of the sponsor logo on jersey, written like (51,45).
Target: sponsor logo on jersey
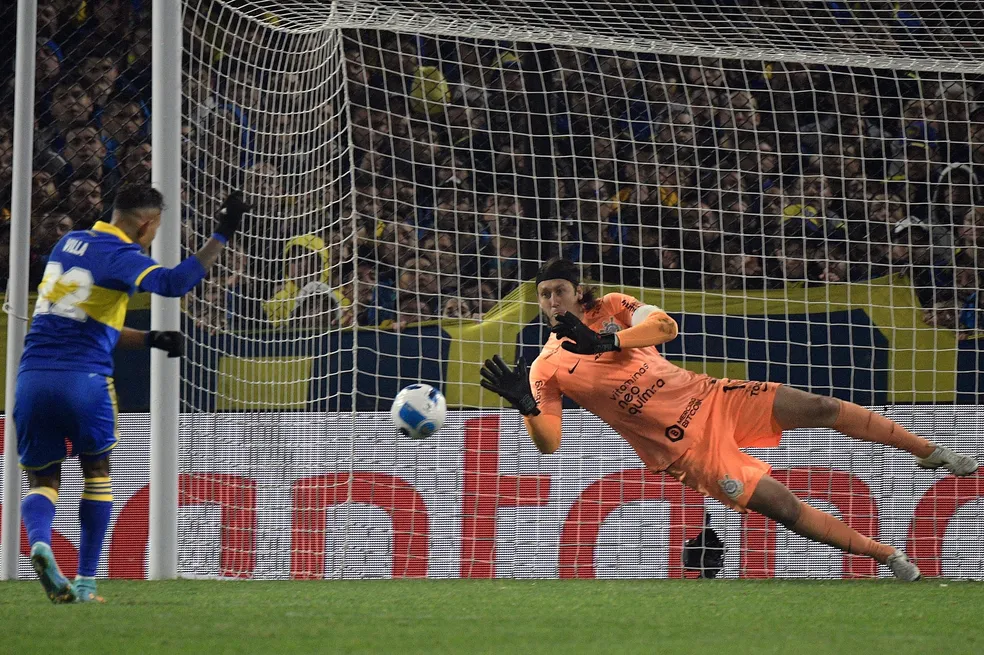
(632,395)
(674,433)
(537,390)
(571,369)
(609,327)
(732,488)
(631,305)
(688,414)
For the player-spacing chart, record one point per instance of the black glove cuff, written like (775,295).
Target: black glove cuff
(527,406)
(226,232)
(608,343)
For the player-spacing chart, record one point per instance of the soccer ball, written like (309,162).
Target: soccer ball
(418,411)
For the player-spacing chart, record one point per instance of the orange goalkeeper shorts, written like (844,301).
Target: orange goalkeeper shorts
(740,417)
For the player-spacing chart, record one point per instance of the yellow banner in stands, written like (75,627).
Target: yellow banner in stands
(922,359)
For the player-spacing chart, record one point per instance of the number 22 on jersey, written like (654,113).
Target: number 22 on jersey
(61,292)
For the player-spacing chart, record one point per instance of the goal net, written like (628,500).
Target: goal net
(796,183)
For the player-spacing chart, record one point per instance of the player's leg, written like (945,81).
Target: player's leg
(95,511)
(38,506)
(97,439)
(38,513)
(772,499)
(798,409)
(41,450)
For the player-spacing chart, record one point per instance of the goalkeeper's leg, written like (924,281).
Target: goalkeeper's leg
(798,409)
(777,502)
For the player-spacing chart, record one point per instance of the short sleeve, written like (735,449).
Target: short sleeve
(546,390)
(622,307)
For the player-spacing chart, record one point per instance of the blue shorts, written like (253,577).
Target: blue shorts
(51,407)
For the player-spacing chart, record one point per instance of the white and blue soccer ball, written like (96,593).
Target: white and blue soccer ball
(419,411)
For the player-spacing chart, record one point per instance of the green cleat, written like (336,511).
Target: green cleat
(56,586)
(85,590)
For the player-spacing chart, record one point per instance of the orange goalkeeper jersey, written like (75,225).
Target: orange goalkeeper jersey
(658,407)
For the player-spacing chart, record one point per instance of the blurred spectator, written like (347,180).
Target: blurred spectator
(71,106)
(135,163)
(306,298)
(99,75)
(122,123)
(419,278)
(84,153)
(85,202)
(677,172)
(45,233)
(48,62)
(44,192)
(457,308)
(413,309)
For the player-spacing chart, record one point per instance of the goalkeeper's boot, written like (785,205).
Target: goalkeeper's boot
(56,586)
(959,465)
(902,567)
(85,590)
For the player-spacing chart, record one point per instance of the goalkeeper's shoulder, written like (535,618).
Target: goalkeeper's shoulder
(621,301)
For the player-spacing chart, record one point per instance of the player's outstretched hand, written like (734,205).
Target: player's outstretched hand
(586,341)
(231,215)
(171,342)
(513,385)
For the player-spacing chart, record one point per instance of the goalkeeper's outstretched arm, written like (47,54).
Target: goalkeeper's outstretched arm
(514,386)
(545,430)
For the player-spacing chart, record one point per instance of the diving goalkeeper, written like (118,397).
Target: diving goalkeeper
(64,385)
(602,354)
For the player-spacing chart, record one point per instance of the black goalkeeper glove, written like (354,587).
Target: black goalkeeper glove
(586,340)
(513,385)
(171,342)
(230,215)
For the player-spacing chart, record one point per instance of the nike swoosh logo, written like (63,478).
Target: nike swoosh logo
(571,369)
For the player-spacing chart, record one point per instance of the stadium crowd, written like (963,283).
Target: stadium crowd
(474,160)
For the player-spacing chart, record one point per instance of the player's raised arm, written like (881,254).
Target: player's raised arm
(514,387)
(176,282)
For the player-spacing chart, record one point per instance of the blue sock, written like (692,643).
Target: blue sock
(38,512)
(95,510)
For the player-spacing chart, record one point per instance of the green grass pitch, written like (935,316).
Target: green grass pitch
(500,616)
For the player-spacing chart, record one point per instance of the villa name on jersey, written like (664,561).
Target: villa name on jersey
(75,247)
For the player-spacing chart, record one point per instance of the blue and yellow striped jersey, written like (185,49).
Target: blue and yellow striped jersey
(82,300)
